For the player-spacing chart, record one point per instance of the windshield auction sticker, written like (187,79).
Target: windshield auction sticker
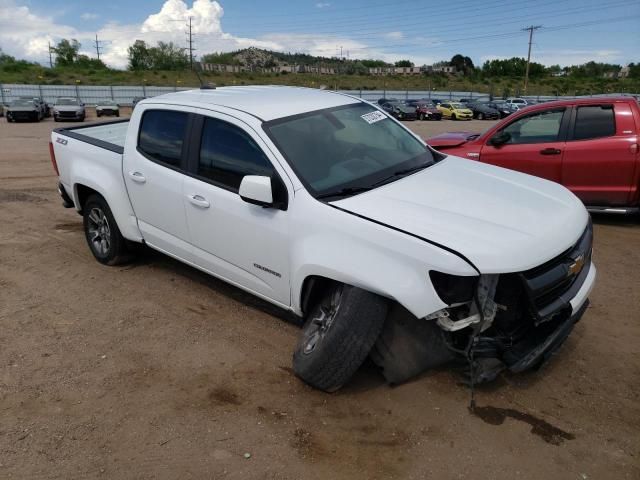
(373,117)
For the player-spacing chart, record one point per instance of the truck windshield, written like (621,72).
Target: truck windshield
(346,150)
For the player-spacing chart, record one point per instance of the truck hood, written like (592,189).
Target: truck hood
(450,140)
(502,221)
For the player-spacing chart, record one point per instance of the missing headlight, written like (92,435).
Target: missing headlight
(453,289)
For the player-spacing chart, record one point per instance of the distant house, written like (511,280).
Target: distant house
(450,69)
(624,71)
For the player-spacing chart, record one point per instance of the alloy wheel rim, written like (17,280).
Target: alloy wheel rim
(99,231)
(321,323)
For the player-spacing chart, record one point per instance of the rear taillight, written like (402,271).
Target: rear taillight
(53,158)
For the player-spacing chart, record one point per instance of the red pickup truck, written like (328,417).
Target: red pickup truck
(591,146)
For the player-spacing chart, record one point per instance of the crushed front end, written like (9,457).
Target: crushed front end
(513,321)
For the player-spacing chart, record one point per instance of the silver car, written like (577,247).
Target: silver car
(107,107)
(68,108)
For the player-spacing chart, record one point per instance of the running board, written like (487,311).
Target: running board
(615,210)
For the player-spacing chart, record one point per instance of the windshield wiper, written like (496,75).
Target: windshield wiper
(345,192)
(401,173)
(348,191)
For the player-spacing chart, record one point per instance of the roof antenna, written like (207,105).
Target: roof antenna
(203,86)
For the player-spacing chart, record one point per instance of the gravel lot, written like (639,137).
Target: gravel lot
(154,370)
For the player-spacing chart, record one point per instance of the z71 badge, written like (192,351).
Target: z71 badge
(61,141)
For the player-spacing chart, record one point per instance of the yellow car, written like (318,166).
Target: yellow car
(455,111)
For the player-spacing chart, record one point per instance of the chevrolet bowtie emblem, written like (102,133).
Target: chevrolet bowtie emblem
(576,266)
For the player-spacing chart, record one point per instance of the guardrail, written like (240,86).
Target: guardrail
(124,95)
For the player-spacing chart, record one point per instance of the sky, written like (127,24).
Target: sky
(423,31)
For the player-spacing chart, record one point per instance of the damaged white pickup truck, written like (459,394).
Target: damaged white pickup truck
(324,205)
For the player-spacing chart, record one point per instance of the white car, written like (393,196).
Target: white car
(324,205)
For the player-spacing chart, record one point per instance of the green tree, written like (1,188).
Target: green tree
(168,56)
(139,58)
(66,52)
(404,63)
(463,64)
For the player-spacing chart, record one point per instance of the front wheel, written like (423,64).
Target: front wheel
(102,233)
(453,116)
(480,116)
(422,116)
(338,335)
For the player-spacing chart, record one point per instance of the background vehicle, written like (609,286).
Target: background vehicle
(22,109)
(425,109)
(44,108)
(382,101)
(455,111)
(400,111)
(346,201)
(482,111)
(68,108)
(588,145)
(107,107)
(517,102)
(505,109)
(136,100)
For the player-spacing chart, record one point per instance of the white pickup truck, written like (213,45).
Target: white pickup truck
(324,205)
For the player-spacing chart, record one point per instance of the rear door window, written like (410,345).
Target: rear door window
(594,121)
(161,136)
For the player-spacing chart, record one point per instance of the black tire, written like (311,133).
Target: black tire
(338,336)
(480,116)
(422,116)
(82,118)
(453,116)
(103,236)
(98,115)
(117,114)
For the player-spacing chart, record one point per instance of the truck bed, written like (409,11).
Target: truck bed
(109,135)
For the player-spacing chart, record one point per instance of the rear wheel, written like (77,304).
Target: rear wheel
(102,233)
(338,335)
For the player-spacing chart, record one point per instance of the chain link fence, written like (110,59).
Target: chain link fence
(124,95)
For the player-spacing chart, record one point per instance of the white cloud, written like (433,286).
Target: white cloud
(89,16)
(323,5)
(394,35)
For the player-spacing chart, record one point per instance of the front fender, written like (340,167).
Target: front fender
(342,247)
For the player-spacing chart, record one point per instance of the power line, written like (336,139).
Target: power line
(531,29)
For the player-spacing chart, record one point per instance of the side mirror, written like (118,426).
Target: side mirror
(257,190)
(500,138)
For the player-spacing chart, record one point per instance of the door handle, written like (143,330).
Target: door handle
(137,177)
(550,151)
(199,201)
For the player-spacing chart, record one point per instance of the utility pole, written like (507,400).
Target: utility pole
(98,45)
(190,42)
(530,29)
(50,57)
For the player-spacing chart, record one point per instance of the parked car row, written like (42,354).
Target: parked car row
(465,109)
(64,108)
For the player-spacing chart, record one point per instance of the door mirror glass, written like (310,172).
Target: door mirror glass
(257,190)
(500,138)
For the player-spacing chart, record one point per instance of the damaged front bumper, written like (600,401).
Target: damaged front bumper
(516,322)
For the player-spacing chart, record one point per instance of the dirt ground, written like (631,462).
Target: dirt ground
(154,370)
